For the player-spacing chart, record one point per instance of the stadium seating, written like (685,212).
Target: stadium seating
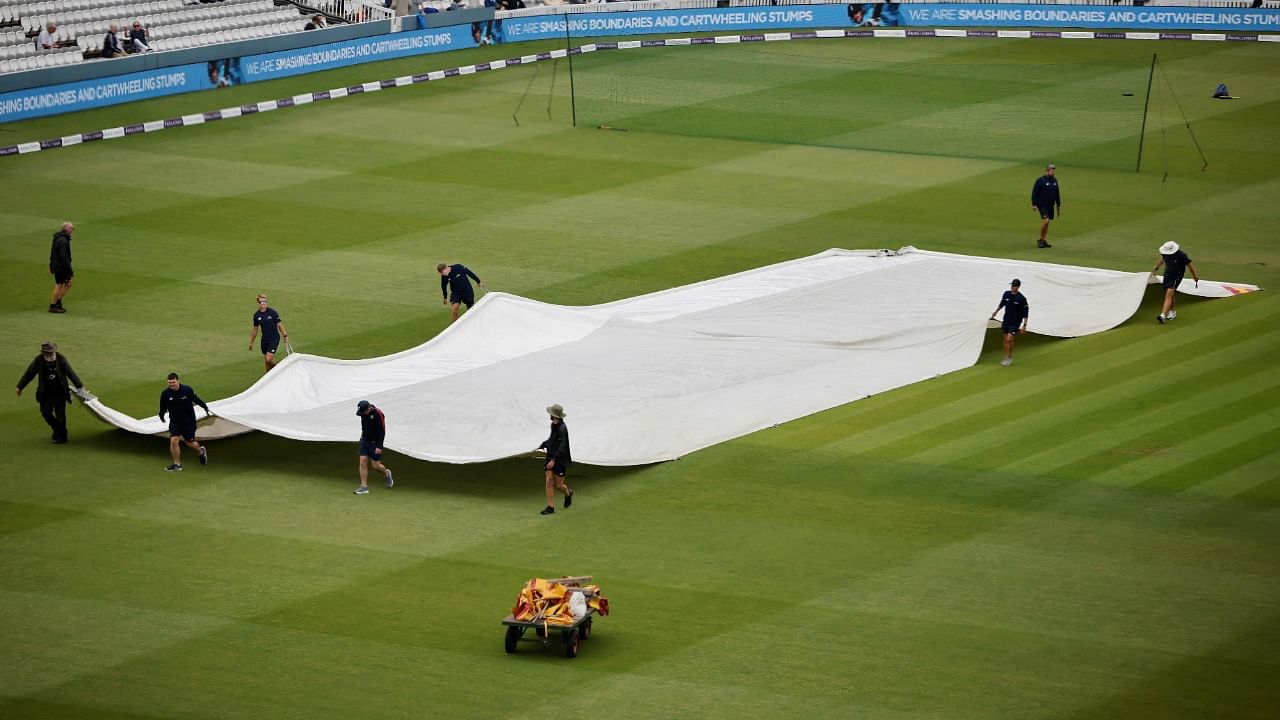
(172,24)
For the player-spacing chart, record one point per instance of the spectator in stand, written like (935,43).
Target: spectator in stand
(317,23)
(456,5)
(111,46)
(48,39)
(138,36)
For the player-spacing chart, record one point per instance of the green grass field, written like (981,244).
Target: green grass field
(1091,533)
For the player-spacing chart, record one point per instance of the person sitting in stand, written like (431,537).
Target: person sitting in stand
(111,46)
(138,36)
(48,38)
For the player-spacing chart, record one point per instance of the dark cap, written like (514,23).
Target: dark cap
(362,406)
(1016,282)
(48,346)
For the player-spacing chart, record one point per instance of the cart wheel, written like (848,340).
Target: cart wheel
(540,631)
(586,629)
(571,639)
(513,637)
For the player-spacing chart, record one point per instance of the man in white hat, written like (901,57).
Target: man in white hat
(558,459)
(1176,264)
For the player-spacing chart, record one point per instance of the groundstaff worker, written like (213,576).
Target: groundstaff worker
(456,287)
(1045,198)
(178,401)
(1176,264)
(53,373)
(273,332)
(60,266)
(373,431)
(558,459)
(1016,312)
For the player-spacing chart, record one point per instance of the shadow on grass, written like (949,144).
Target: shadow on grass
(1152,304)
(259,452)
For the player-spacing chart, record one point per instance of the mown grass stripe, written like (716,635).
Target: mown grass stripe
(1221,450)
(1073,419)
(1232,482)
(1150,448)
(1043,391)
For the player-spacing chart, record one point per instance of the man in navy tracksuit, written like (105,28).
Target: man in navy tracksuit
(373,431)
(456,288)
(1016,312)
(179,402)
(1044,200)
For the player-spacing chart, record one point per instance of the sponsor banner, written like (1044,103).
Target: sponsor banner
(99,92)
(267,66)
(541,27)
(1091,16)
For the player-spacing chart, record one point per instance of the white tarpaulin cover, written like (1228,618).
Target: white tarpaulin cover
(654,377)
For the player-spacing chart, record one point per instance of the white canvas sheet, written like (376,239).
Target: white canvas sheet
(654,377)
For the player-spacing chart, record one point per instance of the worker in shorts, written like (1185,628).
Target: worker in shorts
(558,459)
(60,266)
(1016,312)
(178,401)
(456,287)
(373,431)
(273,332)
(1045,199)
(1176,264)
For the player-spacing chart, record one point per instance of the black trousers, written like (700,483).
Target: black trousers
(55,413)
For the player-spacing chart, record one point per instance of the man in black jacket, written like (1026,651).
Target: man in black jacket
(373,432)
(558,459)
(60,266)
(1045,198)
(54,372)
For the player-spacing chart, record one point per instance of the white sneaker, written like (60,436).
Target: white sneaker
(1006,362)
(1172,314)
(1160,318)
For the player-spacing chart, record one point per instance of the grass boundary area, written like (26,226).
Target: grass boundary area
(227,113)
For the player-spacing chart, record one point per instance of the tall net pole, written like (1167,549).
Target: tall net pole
(1145,104)
(568,51)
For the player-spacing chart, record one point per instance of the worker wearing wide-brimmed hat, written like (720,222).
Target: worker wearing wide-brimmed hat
(52,391)
(1176,264)
(558,459)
